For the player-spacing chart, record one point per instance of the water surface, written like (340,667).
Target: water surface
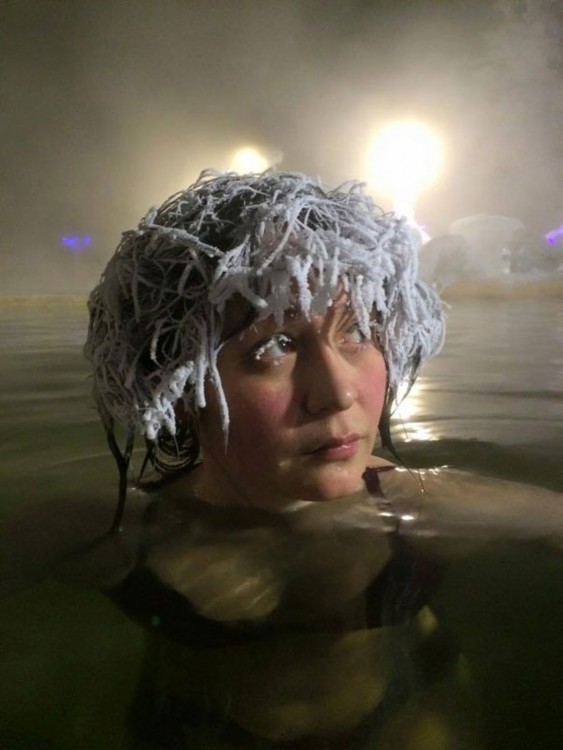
(491,402)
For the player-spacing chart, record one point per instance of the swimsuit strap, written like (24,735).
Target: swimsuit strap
(386,509)
(409,579)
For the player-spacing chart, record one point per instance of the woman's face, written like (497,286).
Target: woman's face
(304,401)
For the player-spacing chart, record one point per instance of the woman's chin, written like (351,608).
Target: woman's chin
(334,484)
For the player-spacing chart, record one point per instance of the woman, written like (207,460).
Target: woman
(258,330)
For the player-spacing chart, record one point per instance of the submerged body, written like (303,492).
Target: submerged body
(497,546)
(335,624)
(282,628)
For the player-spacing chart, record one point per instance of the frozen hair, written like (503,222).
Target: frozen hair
(276,240)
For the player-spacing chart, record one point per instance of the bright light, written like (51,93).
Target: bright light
(405,158)
(247,160)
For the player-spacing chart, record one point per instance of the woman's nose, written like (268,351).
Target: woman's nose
(329,383)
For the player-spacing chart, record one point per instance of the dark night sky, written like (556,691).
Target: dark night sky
(110,106)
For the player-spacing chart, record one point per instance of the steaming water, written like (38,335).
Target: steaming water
(69,660)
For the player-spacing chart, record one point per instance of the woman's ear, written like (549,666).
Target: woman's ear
(180,451)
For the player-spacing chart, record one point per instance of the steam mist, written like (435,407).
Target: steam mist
(110,107)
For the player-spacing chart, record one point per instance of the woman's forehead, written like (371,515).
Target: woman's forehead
(240,315)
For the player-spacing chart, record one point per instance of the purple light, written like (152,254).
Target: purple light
(76,243)
(554,235)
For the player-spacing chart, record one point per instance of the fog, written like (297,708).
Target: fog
(110,107)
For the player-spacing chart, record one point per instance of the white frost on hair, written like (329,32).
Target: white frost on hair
(275,239)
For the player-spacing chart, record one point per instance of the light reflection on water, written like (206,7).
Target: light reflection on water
(494,392)
(408,428)
(490,402)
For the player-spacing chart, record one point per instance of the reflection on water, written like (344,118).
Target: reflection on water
(492,401)
(408,427)
(70,660)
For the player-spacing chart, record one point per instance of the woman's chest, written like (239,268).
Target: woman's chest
(297,574)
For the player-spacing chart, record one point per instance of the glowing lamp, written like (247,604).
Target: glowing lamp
(405,158)
(248,160)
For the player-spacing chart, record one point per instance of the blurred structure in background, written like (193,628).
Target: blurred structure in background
(487,237)
(444,260)
(486,247)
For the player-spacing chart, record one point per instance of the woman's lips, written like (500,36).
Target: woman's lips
(337,449)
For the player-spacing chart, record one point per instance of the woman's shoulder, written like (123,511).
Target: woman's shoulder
(455,513)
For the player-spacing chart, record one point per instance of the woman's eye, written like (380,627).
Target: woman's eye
(274,347)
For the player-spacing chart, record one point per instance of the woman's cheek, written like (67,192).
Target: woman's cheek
(375,389)
(260,415)
(372,386)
